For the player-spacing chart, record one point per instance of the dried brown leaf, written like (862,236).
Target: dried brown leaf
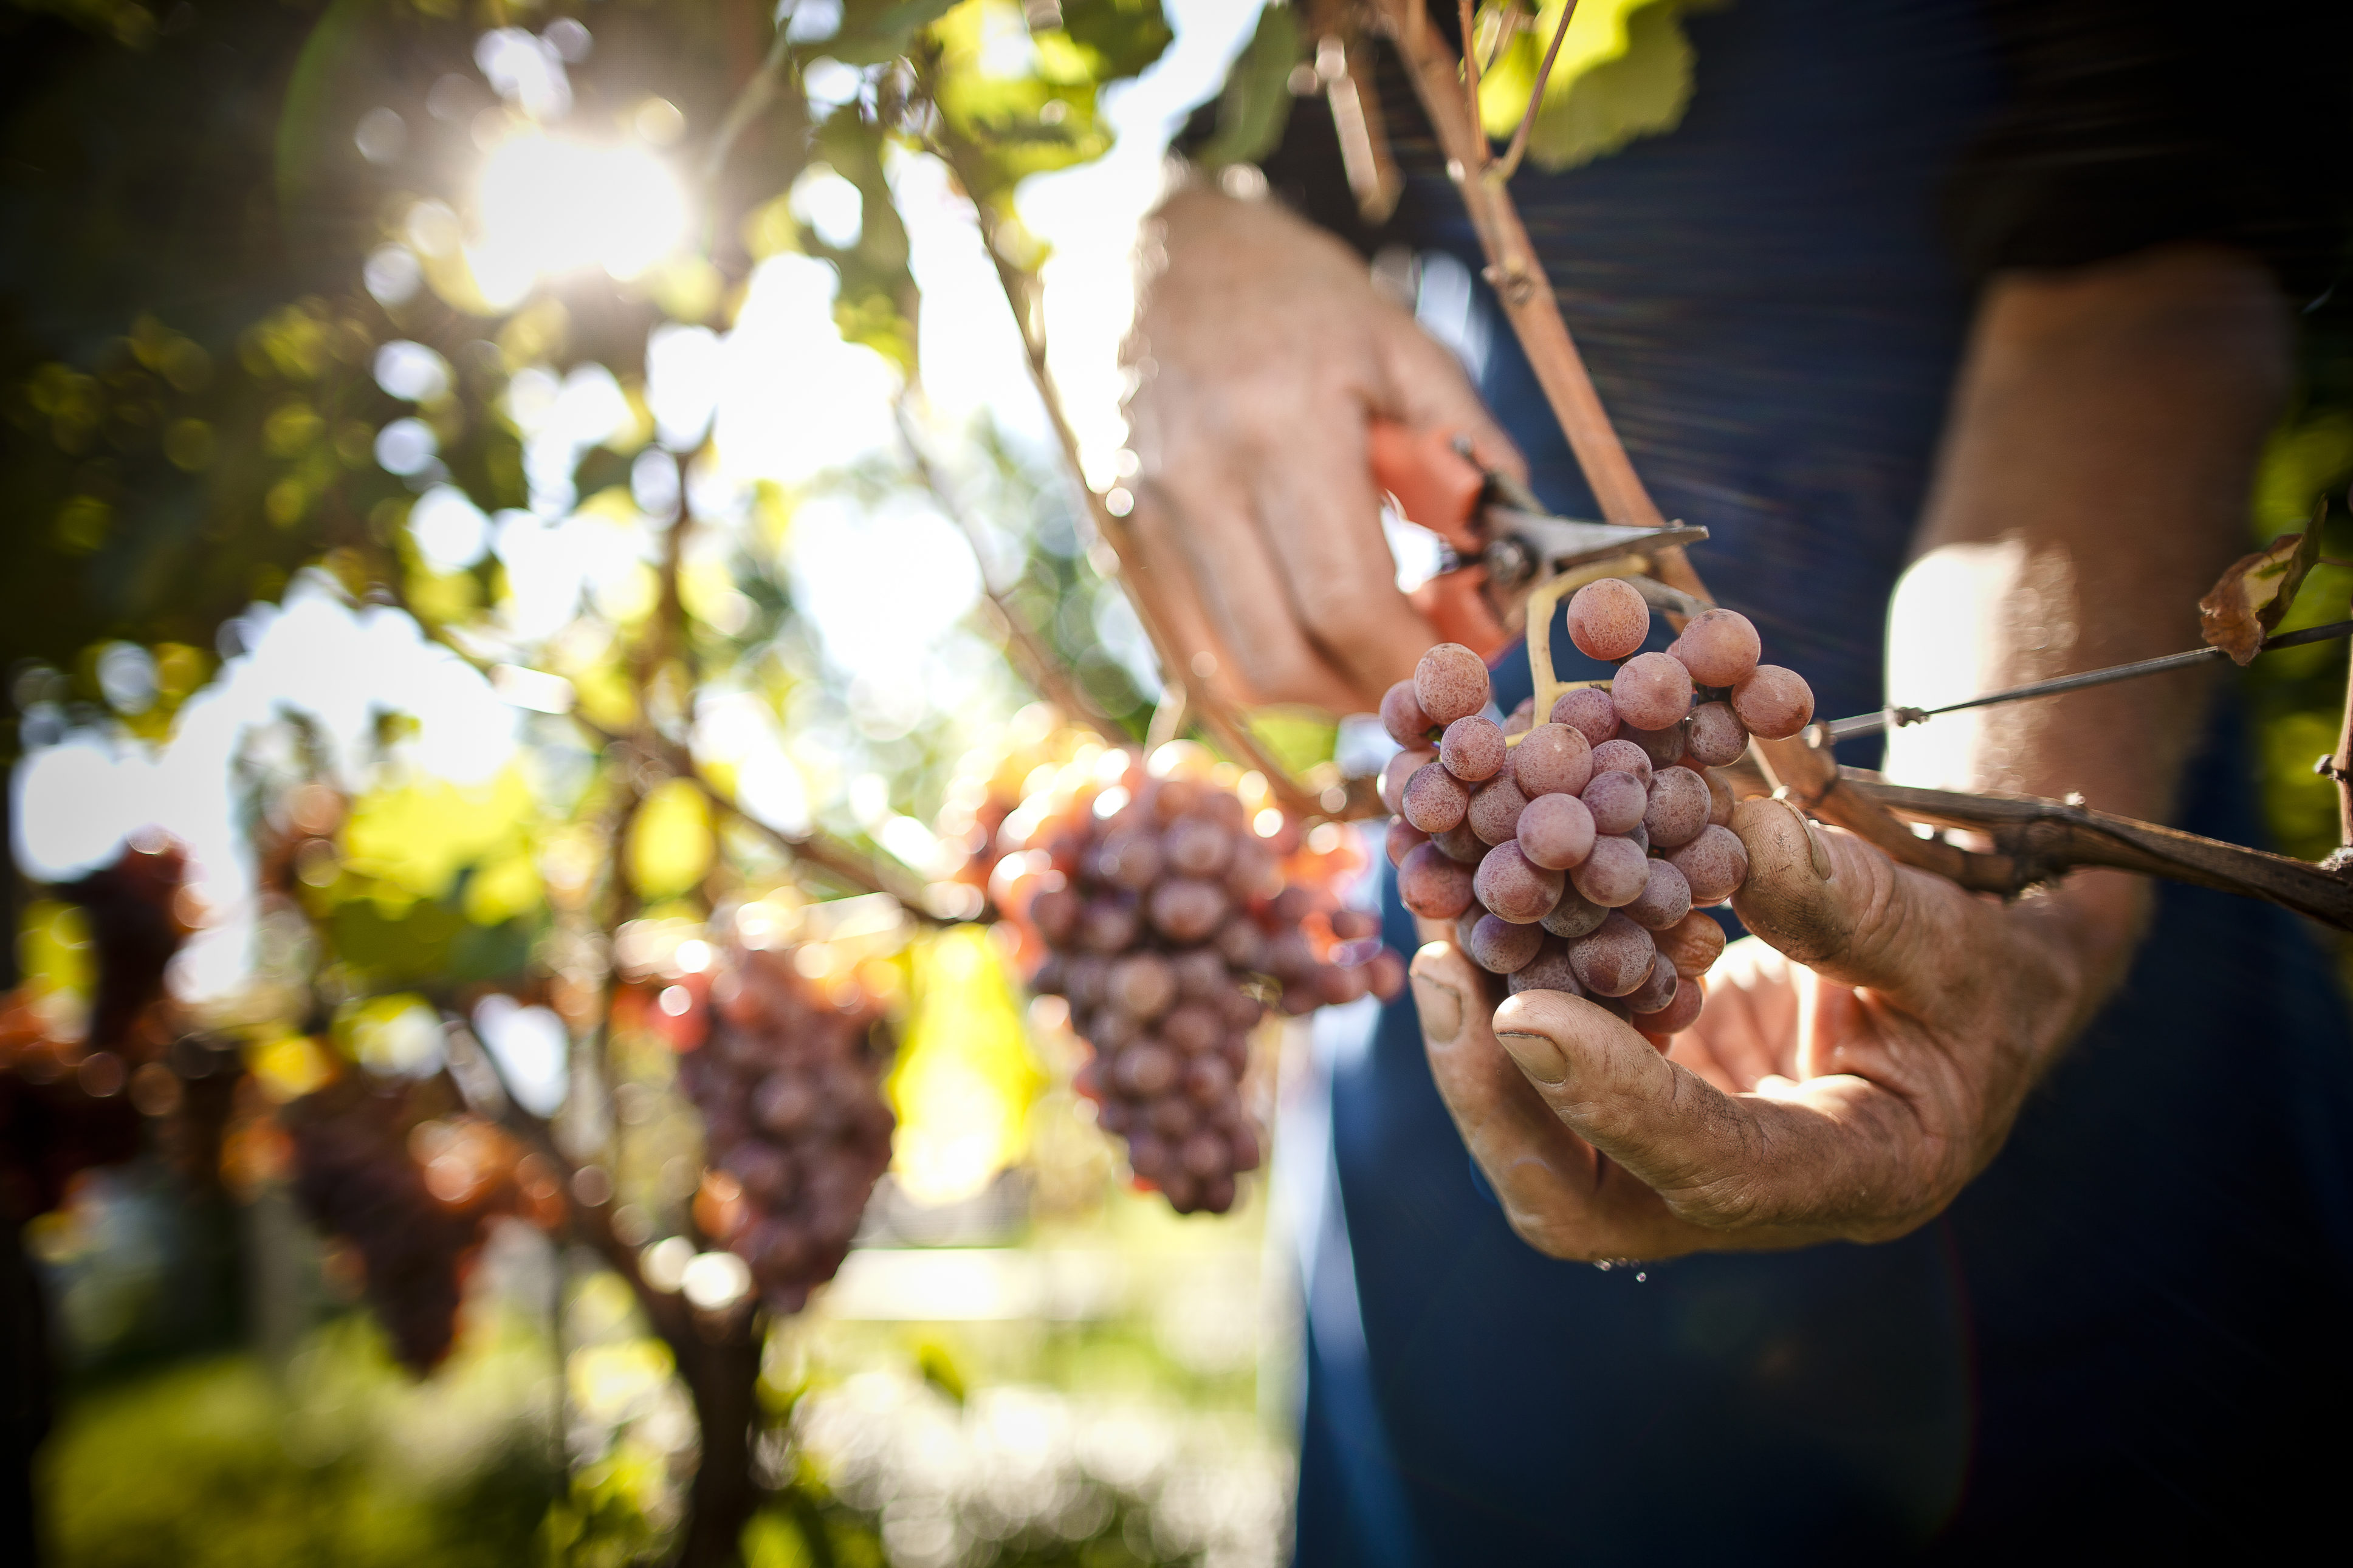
(2252,596)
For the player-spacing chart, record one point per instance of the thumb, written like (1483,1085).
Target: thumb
(1839,905)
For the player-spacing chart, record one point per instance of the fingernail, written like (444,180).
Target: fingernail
(1441,1008)
(1537,1055)
(1817,854)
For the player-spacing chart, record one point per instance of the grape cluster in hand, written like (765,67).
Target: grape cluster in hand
(413,1195)
(1576,854)
(790,1085)
(1169,918)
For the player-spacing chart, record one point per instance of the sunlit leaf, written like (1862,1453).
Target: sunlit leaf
(2251,598)
(964,1077)
(671,843)
(1623,71)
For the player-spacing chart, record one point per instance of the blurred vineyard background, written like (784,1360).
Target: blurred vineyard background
(517,491)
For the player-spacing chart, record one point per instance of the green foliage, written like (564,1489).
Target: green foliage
(1623,73)
(1255,106)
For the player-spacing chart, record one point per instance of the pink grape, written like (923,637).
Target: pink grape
(1400,768)
(1651,691)
(1716,735)
(1589,712)
(1473,748)
(1141,985)
(1575,915)
(1402,717)
(1130,859)
(1608,619)
(1693,944)
(1665,897)
(1625,757)
(1186,909)
(1433,886)
(1614,960)
(1719,798)
(1523,718)
(1435,799)
(1666,747)
(1773,702)
(1553,759)
(1403,836)
(1196,846)
(1679,1014)
(1657,991)
(1557,831)
(1460,844)
(1467,921)
(1494,813)
(1716,864)
(1719,647)
(1500,947)
(1450,682)
(1617,801)
(1678,808)
(1614,875)
(1516,888)
(1549,970)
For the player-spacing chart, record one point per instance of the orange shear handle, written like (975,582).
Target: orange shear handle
(1439,488)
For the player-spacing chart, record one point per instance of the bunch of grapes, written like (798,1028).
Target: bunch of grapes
(1576,854)
(1171,915)
(789,1085)
(412,1192)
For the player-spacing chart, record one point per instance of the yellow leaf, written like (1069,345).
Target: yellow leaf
(671,843)
(1624,71)
(964,1077)
(2241,609)
(418,836)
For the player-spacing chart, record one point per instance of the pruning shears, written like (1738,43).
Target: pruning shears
(1500,543)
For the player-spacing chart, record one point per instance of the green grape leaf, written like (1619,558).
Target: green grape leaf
(1256,103)
(1123,37)
(873,31)
(1624,71)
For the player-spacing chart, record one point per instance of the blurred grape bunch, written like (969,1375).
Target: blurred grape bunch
(1169,901)
(411,1182)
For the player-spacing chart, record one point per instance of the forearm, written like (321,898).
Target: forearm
(2093,482)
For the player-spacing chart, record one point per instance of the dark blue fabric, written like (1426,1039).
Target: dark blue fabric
(2129,1334)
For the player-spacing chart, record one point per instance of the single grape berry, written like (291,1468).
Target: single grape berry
(1450,682)
(1516,888)
(1607,620)
(1435,799)
(1615,959)
(1651,691)
(1678,1015)
(1142,986)
(1589,712)
(1716,735)
(1575,915)
(1500,946)
(1552,759)
(1549,970)
(1557,831)
(1665,748)
(1461,844)
(1665,897)
(1523,718)
(1196,846)
(1433,885)
(1403,836)
(1494,813)
(1622,756)
(1718,646)
(1714,864)
(1657,990)
(1773,702)
(1719,799)
(1186,909)
(1394,775)
(1614,875)
(1617,801)
(1693,944)
(1402,717)
(1472,750)
(1678,808)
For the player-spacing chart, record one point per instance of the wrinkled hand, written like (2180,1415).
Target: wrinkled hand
(1262,351)
(1853,1070)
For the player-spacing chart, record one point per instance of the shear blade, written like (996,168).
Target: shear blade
(1560,542)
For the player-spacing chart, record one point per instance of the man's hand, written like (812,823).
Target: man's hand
(1845,1087)
(1262,351)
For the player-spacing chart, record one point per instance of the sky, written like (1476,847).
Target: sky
(77,799)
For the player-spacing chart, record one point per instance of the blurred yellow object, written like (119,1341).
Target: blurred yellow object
(965,1075)
(671,843)
(289,1066)
(418,836)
